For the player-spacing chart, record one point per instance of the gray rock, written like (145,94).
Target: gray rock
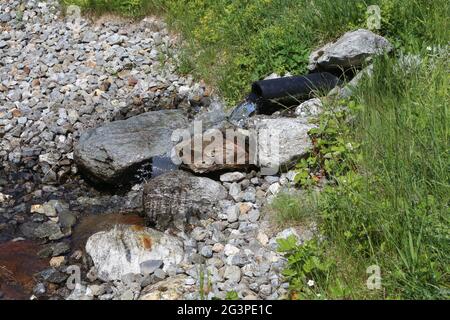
(67,220)
(51,208)
(89,36)
(149,266)
(249,195)
(309,108)
(54,276)
(39,288)
(351,50)
(80,292)
(54,250)
(160,274)
(109,152)
(265,290)
(206,251)
(199,234)
(271,179)
(174,197)
(232,213)
(232,273)
(253,215)
(5,17)
(235,190)
(245,183)
(48,230)
(232,177)
(230,250)
(123,249)
(281,141)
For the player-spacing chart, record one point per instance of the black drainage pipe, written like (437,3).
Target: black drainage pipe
(288,91)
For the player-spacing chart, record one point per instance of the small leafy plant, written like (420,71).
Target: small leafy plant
(333,151)
(309,270)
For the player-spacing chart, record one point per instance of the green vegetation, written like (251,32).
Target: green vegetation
(295,208)
(232,295)
(127,8)
(388,200)
(231,43)
(385,154)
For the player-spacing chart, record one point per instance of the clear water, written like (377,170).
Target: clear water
(242,111)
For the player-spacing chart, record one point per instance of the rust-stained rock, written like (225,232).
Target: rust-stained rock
(124,248)
(214,150)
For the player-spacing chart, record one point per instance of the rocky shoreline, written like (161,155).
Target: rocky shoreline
(88,105)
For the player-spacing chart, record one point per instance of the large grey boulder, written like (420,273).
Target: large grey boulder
(351,50)
(107,153)
(280,141)
(126,249)
(172,198)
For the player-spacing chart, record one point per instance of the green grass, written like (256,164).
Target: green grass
(231,43)
(388,202)
(295,209)
(127,8)
(392,210)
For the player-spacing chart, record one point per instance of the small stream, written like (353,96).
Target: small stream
(94,209)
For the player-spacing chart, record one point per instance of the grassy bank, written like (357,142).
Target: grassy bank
(388,202)
(386,155)
(232,43)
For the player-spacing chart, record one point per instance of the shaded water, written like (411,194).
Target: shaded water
(153,168)
(18,263)
(89,225)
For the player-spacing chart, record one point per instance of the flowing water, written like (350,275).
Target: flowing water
(242,111)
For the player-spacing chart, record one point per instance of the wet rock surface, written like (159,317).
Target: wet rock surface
(57,83)
(19,261)
(108,153)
